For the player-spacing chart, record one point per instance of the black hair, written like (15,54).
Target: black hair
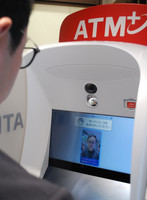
(19,11)
(92,135)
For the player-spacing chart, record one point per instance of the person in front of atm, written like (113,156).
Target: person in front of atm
(15,182)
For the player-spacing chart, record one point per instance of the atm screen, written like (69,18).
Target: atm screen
(93,144)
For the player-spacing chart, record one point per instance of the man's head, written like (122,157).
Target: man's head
(14,18)
(19,12)
(91,142)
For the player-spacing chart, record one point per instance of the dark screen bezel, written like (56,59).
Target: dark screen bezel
(84,169)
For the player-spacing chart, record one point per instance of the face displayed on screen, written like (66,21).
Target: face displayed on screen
(91,140)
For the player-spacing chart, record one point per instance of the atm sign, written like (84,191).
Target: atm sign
(110,22)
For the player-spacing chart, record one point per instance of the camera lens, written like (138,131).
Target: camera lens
(90,88)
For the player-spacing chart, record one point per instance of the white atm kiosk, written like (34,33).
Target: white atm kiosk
(87,105)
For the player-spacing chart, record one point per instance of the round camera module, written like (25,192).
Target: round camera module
(90,88)
(92,100)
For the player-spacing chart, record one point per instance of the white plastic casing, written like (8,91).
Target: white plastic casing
(56,80)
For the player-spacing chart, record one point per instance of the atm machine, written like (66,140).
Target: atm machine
(89,91)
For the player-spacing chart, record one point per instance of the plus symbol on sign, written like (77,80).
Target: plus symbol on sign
(133,17)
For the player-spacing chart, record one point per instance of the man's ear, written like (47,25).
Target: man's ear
(5,25)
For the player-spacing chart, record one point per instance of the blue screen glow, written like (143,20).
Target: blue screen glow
(99,141)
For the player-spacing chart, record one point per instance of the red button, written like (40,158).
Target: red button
(131,104)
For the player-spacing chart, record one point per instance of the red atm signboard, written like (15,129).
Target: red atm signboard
(112,22)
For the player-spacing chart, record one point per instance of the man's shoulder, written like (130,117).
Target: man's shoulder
(16,182)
